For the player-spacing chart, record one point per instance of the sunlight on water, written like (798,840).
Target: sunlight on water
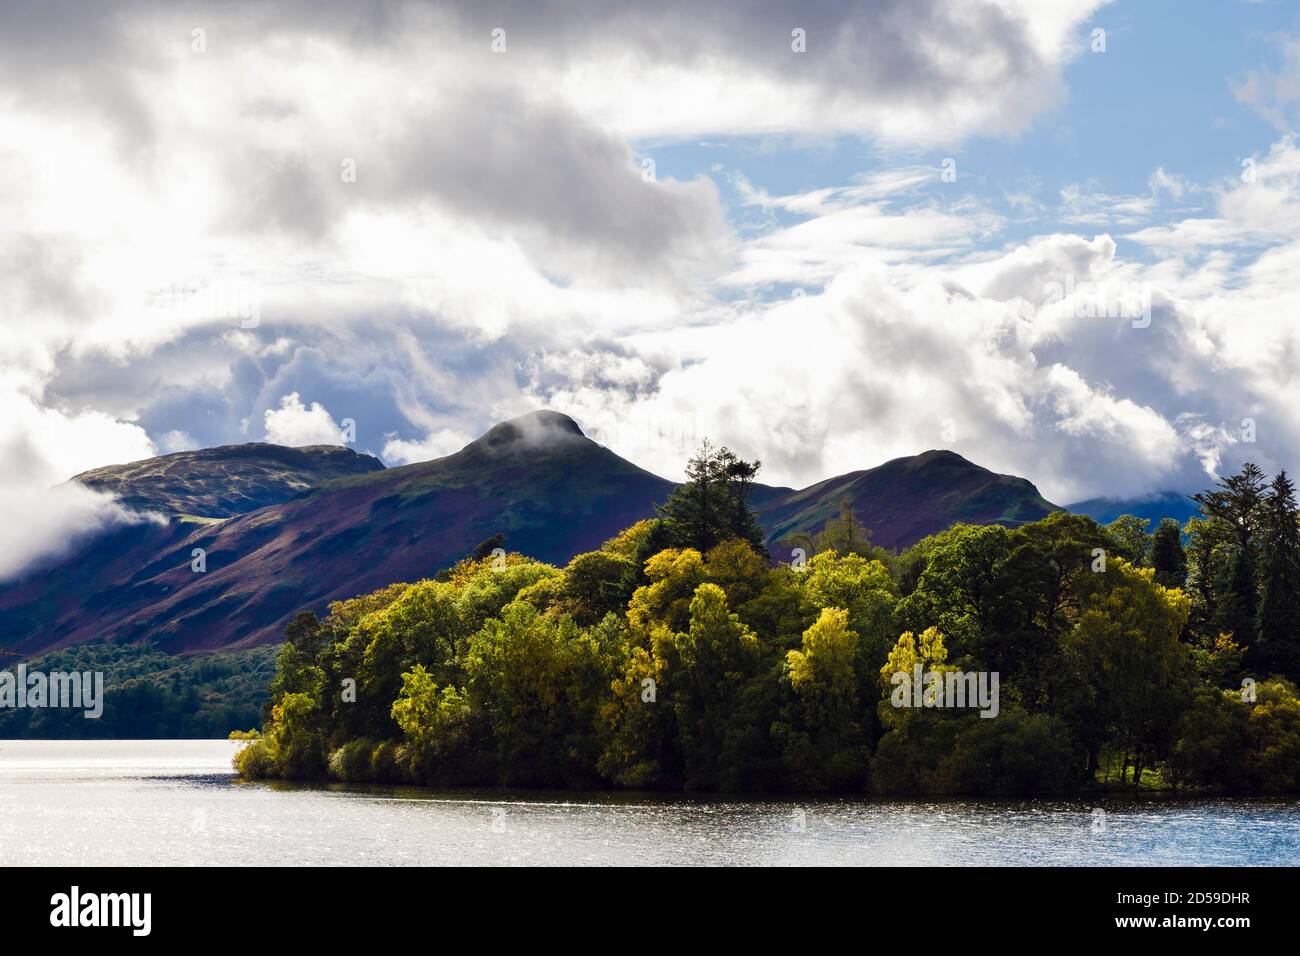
(177,803)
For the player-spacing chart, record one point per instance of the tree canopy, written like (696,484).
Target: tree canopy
(679,656)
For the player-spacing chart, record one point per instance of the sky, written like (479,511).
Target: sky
(1055,236)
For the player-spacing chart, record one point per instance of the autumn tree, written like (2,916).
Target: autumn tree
(821,731)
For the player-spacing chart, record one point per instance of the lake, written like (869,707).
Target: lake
(167,802)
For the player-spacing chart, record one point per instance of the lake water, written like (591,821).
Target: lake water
(178,803)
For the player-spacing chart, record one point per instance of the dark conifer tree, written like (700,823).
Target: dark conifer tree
(1237,504)
(1167,555)
(1238,598)
(711,505)
(1278,648)
(1236,507)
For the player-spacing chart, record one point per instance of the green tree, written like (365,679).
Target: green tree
(1273,754)
(1218,659)
(293,743)
(1131,676)
(1236,503)
(1237,597)
(1167,555)
(1234,512)
(843,534)
(928,650)
(865,591)
(994,592)
(821,733)
(1130,538)
(595,584)
(533,678)
(707,667)
(1278,648)
(673,576)
(439,728)
(712,505)
(1213,743)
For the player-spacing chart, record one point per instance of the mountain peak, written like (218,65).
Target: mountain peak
(906,499)
(225,480)
(942,454)
(538,428)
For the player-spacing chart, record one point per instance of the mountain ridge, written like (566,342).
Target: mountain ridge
(956,489)
(239,478)
(1152,507)
(536,478)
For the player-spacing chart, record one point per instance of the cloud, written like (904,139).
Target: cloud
(1259,206)
(41,446)
(925,71)
(503,246)
(1274,93)
(1082,204)
(176,440)
(436,445)
(294,424)
(843,228)
(974,353)
(41,524)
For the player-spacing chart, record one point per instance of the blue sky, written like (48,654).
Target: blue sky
(1160,96)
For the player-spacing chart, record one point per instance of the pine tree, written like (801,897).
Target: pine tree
(1234,511)
(1237,504)
(1238,598)
(711,505)
(1278,647)
(1167,555)
(739,477)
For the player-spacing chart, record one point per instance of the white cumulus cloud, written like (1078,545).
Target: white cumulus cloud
(295,424)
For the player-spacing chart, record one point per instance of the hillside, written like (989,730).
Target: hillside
(224,481)
(1169,504)
(537,479)
(906,499)
(340,524)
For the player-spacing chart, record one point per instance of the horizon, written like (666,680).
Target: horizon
(1152,496)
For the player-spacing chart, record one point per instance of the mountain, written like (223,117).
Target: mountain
(1166,504)
(225,481)
(537,478)
(333,524)
(906,499)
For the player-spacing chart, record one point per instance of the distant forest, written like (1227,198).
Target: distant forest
(150,694)
(677,656)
